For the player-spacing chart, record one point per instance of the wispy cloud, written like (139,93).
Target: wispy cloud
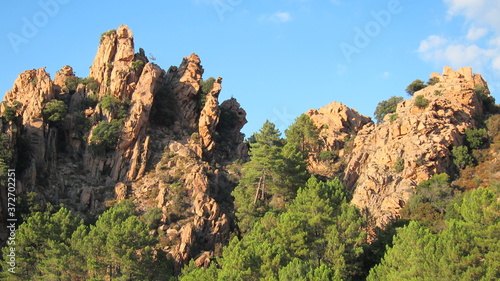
(479,47)
(430,43)
(279,17)
(476,33)
(482,12)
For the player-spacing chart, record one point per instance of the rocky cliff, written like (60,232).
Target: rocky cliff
(383,163)
(130,130)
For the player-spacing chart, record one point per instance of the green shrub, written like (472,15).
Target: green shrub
(105,136)
(393,117)
(34,81)
(109,103)
(91,84)
(484,95)
(429,203)
(420,101)
(420,161)
(137,65)
(438,93)
(81,124)
(481,91)
(72,83)
(89,101)
(105,34)
(328,155)
(415,86)
(115,106)
(227,121)
(437,181)
(5,157)
(205,88)
(462,157)
(399,165)
(55,111)
(10,111)
(152,217)
(493,125)
(433,81)
(386,107)
(475,138)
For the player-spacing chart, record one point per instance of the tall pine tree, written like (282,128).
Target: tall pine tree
(270,179)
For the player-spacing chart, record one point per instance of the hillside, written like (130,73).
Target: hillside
(152,153)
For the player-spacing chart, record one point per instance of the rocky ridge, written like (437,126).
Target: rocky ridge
(383,163)
(175,142)
(165,160)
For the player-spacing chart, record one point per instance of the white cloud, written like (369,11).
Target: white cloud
(457,53)
(479,47)
(484,12)
(496,63)
(476,33)
(495,42)
(433,41)
(386,75)
(281,17)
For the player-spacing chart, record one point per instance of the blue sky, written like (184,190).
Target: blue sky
(278,58)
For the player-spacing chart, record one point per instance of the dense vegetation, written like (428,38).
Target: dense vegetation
(105,136)
(10,111)
(55,111)
(289,224)
(118,109)
(5,158)
(72,83)
(270,179)
(318,236)
(467,247)
(56,245)
(418,85)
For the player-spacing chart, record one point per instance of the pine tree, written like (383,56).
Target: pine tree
(271,179)
(303,135)
(467,249)
(41,243)
(261,178)
(318,237)
(58,246)
(124,245)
